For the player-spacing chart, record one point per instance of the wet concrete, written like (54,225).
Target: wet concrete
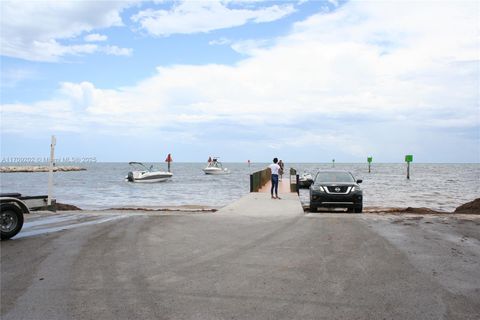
(149,265)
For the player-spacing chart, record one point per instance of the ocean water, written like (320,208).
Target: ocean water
(435,186)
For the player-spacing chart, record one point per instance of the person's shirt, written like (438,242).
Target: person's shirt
(274,167)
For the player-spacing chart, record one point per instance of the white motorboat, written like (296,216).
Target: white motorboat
(215,167)
(147,174)
(305,180)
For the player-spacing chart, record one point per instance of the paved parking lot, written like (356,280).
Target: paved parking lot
(151,265)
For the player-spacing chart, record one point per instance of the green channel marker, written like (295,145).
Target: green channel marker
(408,159)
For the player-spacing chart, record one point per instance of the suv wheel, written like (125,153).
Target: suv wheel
(358,209)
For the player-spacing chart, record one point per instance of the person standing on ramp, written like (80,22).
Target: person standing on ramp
(274,167)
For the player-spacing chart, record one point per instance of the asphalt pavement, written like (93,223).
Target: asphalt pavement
(224,265)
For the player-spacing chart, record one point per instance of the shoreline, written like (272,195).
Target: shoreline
(184,208)
(422,211)
(469,208)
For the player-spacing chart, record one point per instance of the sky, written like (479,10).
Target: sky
(305,81)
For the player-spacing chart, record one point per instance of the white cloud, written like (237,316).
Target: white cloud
(95,37)
(34,30)
(310,139)
(116,51)
(203,16)
(381,62)
(250,47)
(246,47)
(51,50)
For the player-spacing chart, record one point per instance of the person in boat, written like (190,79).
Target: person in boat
(280,172)
(274,167)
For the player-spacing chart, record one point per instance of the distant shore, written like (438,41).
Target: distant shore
(12,169)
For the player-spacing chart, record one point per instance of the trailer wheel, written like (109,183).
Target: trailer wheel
(11,220)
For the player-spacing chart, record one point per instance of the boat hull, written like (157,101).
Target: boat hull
(305,181)
(148,177)
(215,172)
(305,184)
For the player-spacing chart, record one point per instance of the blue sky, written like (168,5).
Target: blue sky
(306,81)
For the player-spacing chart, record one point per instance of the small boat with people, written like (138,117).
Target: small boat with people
(142,173)
(215,167)
(305,180)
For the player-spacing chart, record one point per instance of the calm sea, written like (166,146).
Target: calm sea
(435,186)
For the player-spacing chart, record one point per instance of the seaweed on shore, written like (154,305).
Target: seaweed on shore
(472,207)
(66,207)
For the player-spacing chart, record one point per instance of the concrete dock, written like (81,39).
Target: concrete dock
(283,186)
(258,258)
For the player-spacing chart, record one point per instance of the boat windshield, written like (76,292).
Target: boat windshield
(334,177)
(141,166)
(215,164)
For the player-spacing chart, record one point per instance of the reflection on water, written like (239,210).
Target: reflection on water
(436,186)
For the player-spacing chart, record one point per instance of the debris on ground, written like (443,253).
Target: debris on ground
(65,207)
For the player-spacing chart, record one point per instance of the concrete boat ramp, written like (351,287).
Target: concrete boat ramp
(257,204)
(257,258)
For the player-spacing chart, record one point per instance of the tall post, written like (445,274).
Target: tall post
(333,163)
(408,159)
(369,159)
(50,170)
